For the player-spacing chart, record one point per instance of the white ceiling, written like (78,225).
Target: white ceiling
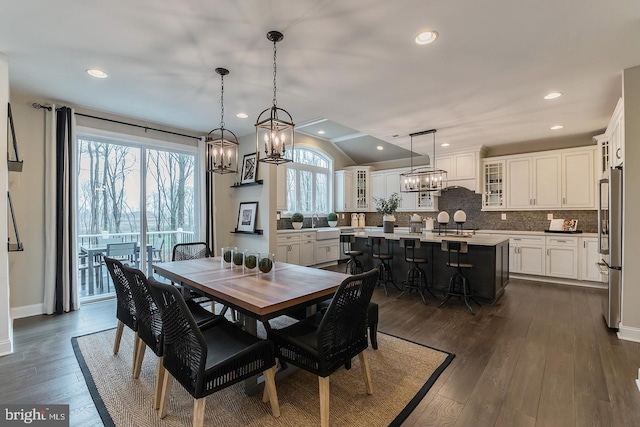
(352,62)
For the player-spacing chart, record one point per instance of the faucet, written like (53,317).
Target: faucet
(314,219)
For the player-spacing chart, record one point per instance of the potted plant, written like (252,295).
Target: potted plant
(296,220)
(388,207)
(332,219)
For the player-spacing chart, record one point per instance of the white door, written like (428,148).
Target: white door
(588,259)
(562,262)
(532,259)
(546,191)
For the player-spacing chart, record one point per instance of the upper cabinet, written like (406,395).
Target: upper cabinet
(353,189)
(386,182)
(462,169)
(559,179)
(611,142)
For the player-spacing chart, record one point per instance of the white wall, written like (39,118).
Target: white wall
(6,327)
(630,324)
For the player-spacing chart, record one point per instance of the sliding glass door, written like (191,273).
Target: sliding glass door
(134,202)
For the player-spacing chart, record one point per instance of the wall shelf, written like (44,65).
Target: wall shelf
(248,184)
(258,232)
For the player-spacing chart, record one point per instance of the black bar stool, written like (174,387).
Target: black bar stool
(354,266)
(386,272)
(416,276)
(458,283)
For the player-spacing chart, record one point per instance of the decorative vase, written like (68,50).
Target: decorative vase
(297,225)
(332,223)
(388,222)
(251,262)
(226,256)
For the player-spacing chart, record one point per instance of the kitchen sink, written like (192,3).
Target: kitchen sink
(325,233)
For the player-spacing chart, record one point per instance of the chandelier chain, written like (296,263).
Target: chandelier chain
(274,74)
(222,101)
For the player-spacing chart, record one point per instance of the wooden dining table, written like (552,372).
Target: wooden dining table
(257,296)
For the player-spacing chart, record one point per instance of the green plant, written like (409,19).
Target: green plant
(332,216)
(250,261)
(388,206)
(297,217)
(265,265)
(227,256)
(238,258)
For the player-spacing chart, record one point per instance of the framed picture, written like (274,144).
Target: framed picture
(249,169)
(247,216)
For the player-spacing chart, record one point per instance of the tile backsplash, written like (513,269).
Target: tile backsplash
(460,198)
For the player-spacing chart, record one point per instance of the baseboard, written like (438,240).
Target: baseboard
(6,347)
(27,311)
(628,333)
(558,280)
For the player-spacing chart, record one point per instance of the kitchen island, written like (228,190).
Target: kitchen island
(488,254)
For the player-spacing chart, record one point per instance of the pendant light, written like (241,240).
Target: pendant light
(425,178)
(274,127)
(222,144)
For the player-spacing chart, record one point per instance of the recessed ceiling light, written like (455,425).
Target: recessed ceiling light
(553,95)
(242,115)
(94,72)
(320,132)
(380,147)
(444,145)
(556,127)
(426,37)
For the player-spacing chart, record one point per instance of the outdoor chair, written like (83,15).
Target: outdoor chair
(208,358)
(341,334)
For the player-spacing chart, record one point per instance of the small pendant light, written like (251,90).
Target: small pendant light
(222,144)
(274,127)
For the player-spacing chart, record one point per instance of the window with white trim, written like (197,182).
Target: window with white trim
(309,179)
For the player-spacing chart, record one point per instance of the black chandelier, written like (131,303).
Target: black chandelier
(425,178)
(274,127)
(222,143)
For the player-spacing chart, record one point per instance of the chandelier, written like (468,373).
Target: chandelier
(223,147)
(274,127)
(424,178)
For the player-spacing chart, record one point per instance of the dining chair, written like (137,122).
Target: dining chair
(341,334)
(150,326)
(208,358)
(194,250)
(157,250)
(125,308)
(126,253)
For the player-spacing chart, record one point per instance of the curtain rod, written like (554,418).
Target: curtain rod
(146,128)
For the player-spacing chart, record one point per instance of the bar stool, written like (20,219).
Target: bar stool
(386,273)
(354,264)
(458,283)
(416,276)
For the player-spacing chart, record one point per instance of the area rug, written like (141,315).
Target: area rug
(402,373)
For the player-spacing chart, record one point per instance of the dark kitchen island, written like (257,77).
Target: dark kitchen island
(488,254)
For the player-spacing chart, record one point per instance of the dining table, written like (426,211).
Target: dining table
(257,296)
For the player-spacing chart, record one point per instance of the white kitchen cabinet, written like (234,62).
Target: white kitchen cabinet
(462,168)
(527,254)
(562,257)
(615,130)
(493,185)
(353,189)
(386,182)
(519,188)
(327,251)
(392,185)
(589,256)
(307,248)
(426,202)
(546,181)
(578,181)
(378,187)
(288,248)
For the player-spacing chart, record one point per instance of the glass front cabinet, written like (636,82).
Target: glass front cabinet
(493,185)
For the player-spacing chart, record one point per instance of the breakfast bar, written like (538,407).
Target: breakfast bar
(488,254)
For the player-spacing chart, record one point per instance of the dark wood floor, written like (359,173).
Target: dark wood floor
(540,356)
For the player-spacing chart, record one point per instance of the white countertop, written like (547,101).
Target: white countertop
(405,230)
(477,240)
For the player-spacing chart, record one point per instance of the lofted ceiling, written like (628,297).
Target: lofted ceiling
(352,65)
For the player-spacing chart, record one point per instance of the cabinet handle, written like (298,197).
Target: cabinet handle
(534,201)
(618,153)
(548,252)
(584,244)
(564,200)
(562,241)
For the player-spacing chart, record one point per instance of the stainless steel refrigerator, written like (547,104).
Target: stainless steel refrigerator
(610,242)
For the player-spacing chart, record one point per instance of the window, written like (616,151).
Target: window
(309,180)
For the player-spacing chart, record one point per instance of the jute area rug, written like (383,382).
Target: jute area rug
(402,373)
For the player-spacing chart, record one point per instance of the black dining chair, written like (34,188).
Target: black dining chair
(150,326)
(125,308)
(322,347)
(210,357)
